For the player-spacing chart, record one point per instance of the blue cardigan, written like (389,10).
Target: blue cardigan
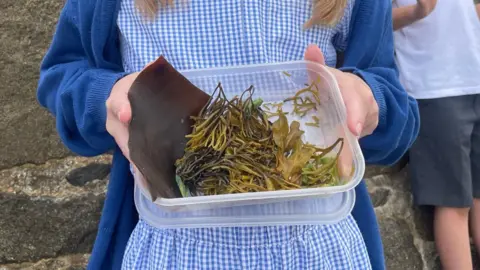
(84,61)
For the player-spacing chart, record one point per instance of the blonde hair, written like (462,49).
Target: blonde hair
(325,12)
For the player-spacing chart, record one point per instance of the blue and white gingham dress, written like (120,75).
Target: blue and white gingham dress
(214,33)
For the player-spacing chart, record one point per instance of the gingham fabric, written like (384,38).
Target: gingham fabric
(332,247)
(203,34)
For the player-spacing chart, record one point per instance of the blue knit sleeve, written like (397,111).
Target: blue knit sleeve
(74,90)
(370,55)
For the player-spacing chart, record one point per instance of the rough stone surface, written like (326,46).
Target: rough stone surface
(43,216)
(380,196)
(48,180)
(401,247)
(71,262)
(27,130)
(86,174)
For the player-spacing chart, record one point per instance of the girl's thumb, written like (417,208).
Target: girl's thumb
(124,114)
(314,54)
(120,109)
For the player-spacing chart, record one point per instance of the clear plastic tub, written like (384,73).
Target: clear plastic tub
(313,211)
(275,83)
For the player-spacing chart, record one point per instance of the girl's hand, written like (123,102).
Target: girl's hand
(362,109)
(119,112)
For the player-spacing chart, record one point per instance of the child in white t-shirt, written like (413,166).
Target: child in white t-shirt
(437,46)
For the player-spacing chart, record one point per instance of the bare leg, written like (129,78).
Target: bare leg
(475,224)
(452,239)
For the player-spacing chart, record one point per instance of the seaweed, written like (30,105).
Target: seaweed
(234,148)
(162,102)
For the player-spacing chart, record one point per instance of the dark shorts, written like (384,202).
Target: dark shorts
(445,158)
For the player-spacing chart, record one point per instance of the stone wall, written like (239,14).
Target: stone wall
(50,200)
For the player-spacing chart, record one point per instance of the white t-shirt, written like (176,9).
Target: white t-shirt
(439,56)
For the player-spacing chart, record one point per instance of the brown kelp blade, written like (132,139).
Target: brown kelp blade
(162,102)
